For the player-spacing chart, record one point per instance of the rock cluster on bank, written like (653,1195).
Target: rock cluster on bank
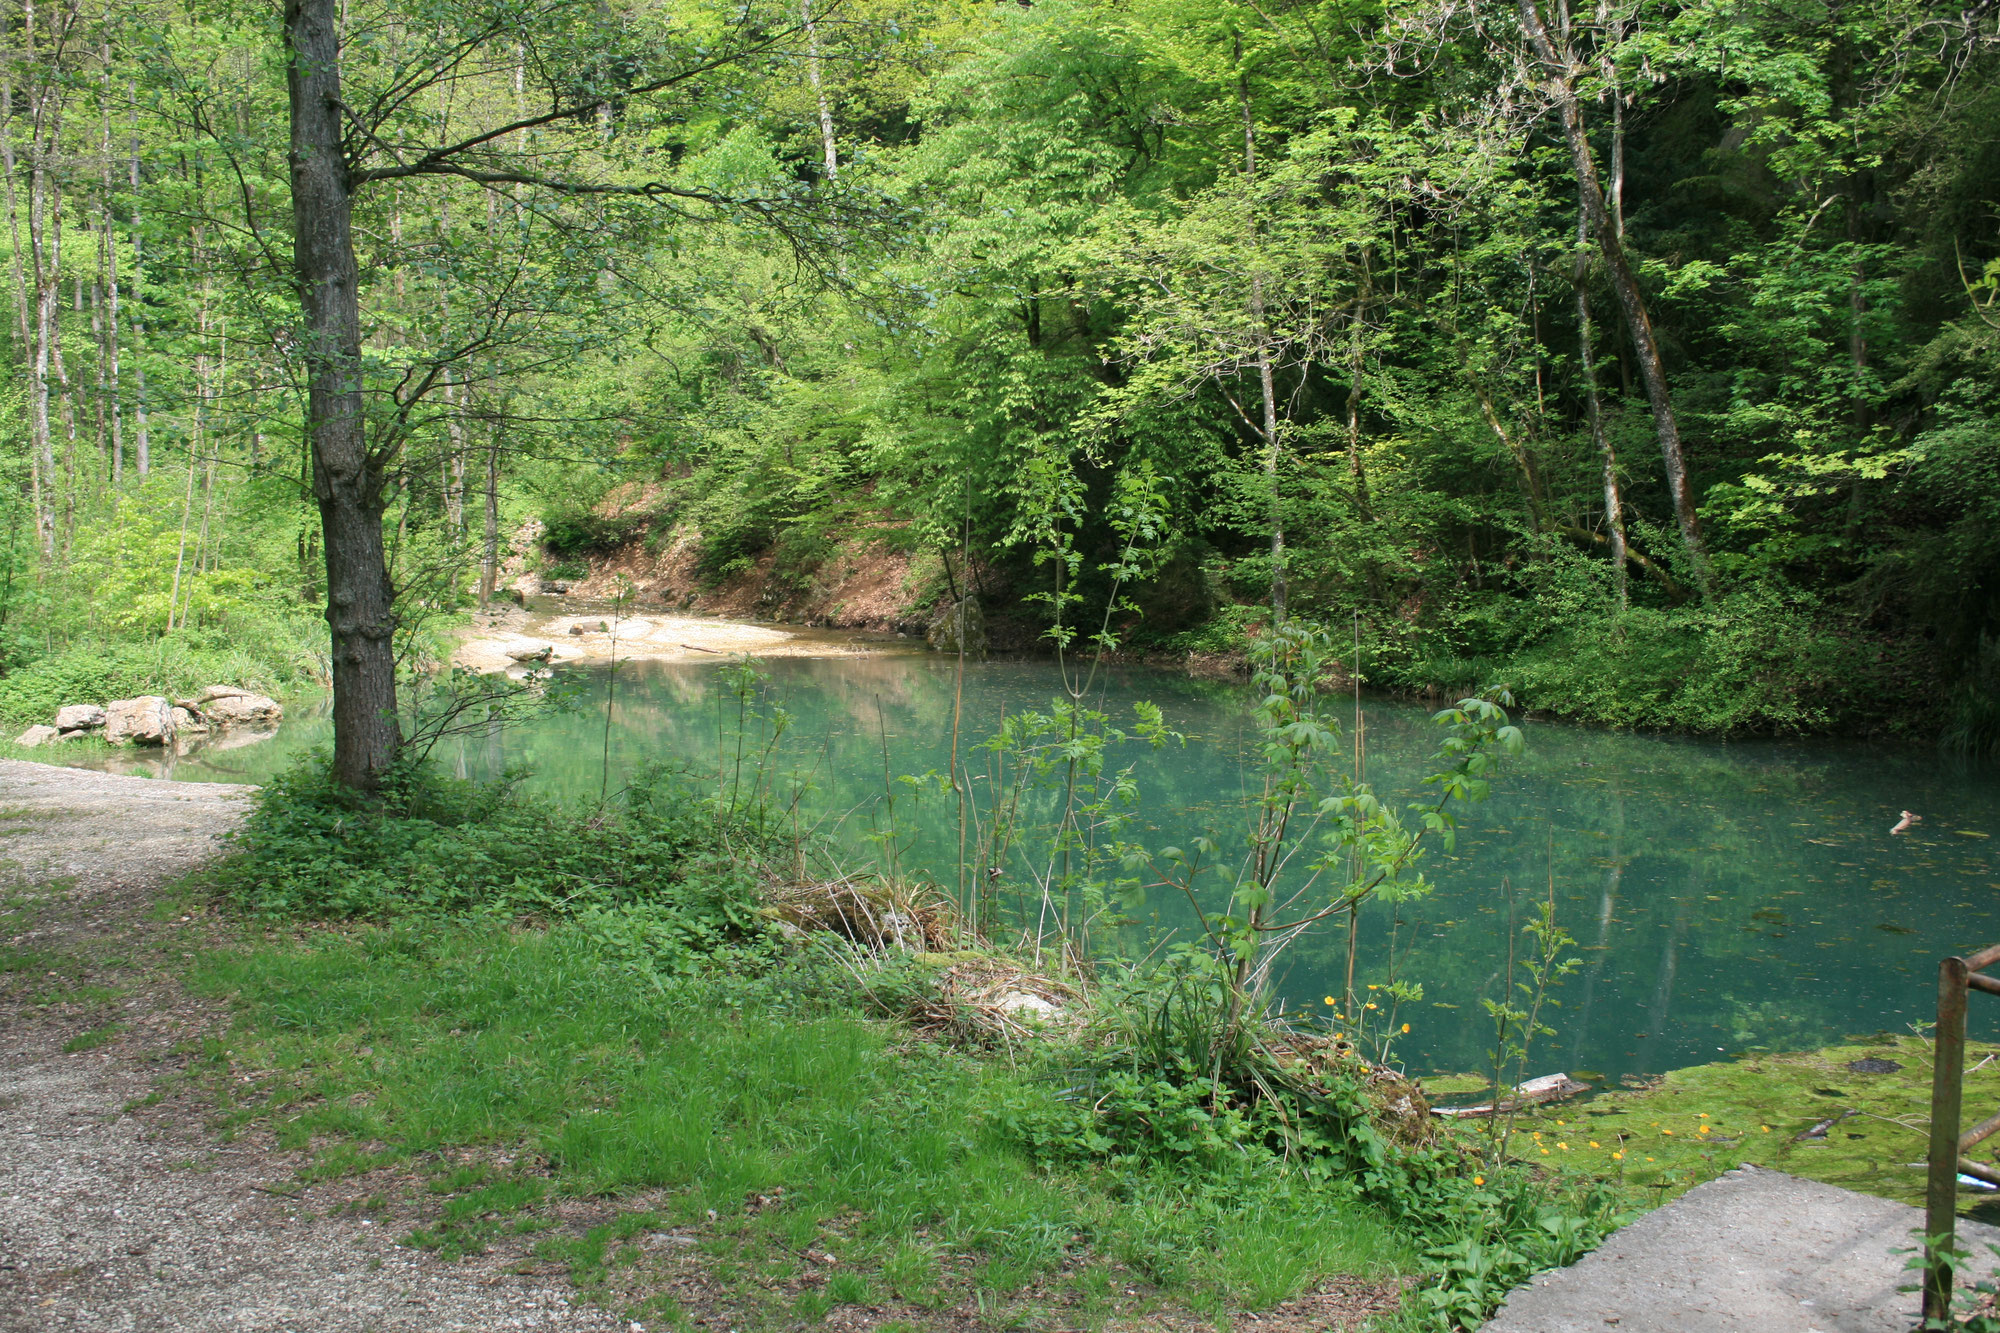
(153,719)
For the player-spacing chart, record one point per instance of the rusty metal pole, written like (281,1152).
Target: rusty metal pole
(1947,1091)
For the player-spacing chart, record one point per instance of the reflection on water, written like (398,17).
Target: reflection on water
(1724,896)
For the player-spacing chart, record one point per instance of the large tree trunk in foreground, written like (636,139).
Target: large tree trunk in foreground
(1645,344)
(360,600)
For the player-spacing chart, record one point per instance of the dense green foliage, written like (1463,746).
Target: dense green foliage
(1320,266)
(655,880)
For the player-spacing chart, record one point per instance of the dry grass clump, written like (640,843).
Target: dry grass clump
(1397,1103)
(987,1000)
(870,911)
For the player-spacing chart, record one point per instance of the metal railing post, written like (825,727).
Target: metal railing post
(1947,1095)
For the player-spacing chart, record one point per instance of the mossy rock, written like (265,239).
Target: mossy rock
(1837,1115)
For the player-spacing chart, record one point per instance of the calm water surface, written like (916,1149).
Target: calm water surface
(1725,896)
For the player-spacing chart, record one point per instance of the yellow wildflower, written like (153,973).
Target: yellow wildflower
(1479,1180)
(1406,1027)
(1329,999)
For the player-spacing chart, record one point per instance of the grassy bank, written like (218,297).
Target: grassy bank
(274,657)
(514,1009)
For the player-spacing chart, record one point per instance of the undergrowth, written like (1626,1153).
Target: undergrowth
(278,660)
(597,997)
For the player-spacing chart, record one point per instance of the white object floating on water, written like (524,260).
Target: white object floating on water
(1974,1182)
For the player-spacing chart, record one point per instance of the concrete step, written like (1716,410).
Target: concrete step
(1752,1251)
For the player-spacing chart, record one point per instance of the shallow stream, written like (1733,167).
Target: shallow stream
(1725,896)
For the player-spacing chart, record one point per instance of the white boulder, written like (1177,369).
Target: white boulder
(531,652)
(79,717)
(34,736)
(227,706)
(146,720)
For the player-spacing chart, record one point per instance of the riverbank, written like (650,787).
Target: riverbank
(441,1125)
(577,631)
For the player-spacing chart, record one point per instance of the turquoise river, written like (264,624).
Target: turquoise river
(1725,896)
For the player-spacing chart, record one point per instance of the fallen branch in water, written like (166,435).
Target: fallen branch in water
(1547,1088)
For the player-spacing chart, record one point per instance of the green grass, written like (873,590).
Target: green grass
(761,1113)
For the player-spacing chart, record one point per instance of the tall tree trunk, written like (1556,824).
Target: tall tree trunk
(1614,509)
(108,263)
(142,456)
(1645,344)
(489,560)
(1266,384)
(346,481)
(826,142)
(44,259)
(24,341)
(1356,327)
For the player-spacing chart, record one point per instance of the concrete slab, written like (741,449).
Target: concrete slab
(1751,1250)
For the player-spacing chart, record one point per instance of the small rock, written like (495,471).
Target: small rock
(187,722)
(576,631)
(79,717)
(1874,1065)
(34,736)
(1022,1004)
(531,652)
(146,720)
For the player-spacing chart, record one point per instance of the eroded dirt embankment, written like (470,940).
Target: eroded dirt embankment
(120,1207)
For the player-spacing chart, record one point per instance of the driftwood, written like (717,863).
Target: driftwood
(1547,1088)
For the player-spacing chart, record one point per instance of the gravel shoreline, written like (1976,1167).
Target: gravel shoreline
(120,1208)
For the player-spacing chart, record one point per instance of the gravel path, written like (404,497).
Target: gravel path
(120,1209)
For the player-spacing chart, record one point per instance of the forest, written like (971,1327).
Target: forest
(1638,359)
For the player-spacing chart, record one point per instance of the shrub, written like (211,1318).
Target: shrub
(648,880)
(571,533)
(280,657)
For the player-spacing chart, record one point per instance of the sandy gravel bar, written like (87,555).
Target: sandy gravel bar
(588,636)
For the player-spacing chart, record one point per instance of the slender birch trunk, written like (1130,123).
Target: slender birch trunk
(108,263)
(1266,382)
(1556,80)
(1614,509)
(142,456)
(827,146)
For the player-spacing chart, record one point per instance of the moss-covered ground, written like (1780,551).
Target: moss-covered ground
(1836,1115)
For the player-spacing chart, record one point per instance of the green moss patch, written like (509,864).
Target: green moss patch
(1811,1113)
